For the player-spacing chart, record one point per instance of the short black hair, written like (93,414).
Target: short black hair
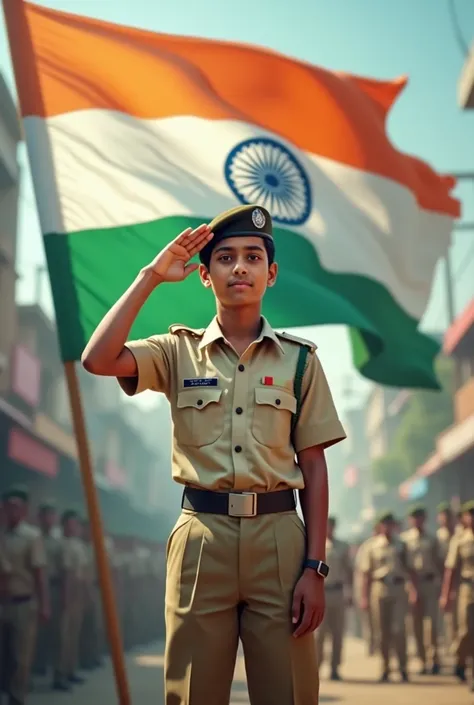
(269,248)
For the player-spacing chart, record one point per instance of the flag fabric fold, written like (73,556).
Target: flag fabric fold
(133,136)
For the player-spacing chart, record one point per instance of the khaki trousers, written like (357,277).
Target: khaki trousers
(425,621)
(465,650)
(91,636)
(229,578)
(19,629)
(332,626)
(388,605)
(70,624)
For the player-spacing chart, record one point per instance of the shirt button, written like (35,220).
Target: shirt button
(238,449)
(241,368)
(277,402)
(199,402)
(239,410)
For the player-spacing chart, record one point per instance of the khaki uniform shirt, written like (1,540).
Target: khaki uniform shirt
(422,553)
(231,429)
(24,550)
(461,555)
(53,546)
(384,560)
(358,563)
(443,536)
(337,557)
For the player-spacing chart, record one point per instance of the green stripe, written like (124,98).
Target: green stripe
(90,270)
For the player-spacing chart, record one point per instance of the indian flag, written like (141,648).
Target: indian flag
(134,136)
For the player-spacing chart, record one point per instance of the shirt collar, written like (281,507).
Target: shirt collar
(213,332)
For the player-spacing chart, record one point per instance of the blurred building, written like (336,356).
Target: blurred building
(449,471)
(9,196)
(355,486)
(37,443)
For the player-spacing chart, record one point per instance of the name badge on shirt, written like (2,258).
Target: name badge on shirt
(200,382)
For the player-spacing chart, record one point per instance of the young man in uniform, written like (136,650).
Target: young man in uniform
(425,561)
(444,534)
(27,597)
(240,562)
(460,559)
(366,615)
(71,579)
(338,588)
(385,568)
(46,645)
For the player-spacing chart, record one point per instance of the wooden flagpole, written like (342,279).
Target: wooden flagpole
(93,509)
(22,51)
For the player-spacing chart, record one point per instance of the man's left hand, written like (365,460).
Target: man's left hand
(308,603)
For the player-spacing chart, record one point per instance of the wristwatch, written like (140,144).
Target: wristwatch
(320,567)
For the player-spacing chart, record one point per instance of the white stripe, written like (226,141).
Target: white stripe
(114,170)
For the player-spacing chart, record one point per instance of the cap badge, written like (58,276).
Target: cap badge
(258,219)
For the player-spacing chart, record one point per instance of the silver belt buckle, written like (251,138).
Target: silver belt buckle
(242,504)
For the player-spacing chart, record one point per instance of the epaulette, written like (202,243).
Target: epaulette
(196,332)
(300,341)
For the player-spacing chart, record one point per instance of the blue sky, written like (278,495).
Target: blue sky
(379,38)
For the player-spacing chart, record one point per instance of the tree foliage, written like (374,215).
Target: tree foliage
(427,414)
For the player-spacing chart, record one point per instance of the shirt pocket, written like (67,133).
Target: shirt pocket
(272,416)
(199,416)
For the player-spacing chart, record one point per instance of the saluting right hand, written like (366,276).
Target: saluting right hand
(171,264)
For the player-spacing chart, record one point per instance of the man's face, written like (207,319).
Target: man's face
(417,521)
(71,527)
(387,528)
(443,519)
(468,520)
(15,510)
(48,519)
(238,272)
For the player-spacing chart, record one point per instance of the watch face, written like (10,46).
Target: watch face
(323,569)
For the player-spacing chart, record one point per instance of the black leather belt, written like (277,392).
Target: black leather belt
(19,599)
(392,581)
(238,504)
(334,587)
(427,578)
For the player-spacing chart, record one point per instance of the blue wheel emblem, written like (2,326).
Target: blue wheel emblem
(263,171)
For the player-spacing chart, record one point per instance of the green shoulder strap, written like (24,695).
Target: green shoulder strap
(298,382)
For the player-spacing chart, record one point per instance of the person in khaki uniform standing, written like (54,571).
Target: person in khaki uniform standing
(338,589)
(444,534)
(385,568)
(240,562)
(91,638)
(71,579)
(460,559)
(26,598)
(367,623)
(425,561)
(46,645)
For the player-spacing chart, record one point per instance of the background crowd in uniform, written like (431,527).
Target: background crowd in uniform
(410,588)
(51,623)
(51,620)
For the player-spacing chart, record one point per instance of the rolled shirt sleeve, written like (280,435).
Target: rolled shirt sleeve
(452,557)
(153,358)
(365,560)
(38,553)
(318,423)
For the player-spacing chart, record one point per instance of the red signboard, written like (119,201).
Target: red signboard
(25,450)
(26,375)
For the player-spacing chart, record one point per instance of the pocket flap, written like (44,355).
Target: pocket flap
(198,398)
(277,398)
